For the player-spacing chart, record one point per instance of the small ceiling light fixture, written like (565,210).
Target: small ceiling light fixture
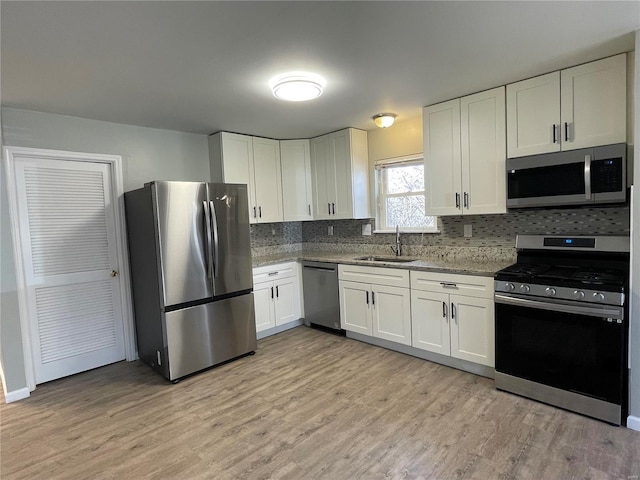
(297,86)
(384,120)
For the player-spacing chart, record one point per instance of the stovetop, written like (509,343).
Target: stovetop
(611,279)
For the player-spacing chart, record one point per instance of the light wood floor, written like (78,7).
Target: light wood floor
(308,405)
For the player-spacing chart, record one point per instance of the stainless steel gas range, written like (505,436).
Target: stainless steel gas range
(562,323)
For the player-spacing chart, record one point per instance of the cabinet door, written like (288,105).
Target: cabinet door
(442,162)
(263,301)
(483,146)
(295,163)
(593,110)
(268,182)
(342,181)
(533,112)
(391,313)
(472,329)
(355,307)
(287,300)
(237,159)
(322,174)
(430,321)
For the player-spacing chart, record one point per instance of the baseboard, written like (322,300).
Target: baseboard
(278,329)
(633,423)
(16,395)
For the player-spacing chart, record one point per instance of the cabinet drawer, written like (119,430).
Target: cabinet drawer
(394,277)
(470,285)
(274,272)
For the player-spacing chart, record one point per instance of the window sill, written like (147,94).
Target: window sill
(407,231)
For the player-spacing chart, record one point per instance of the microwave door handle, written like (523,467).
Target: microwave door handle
(207,232)
(214,222)
(587,176)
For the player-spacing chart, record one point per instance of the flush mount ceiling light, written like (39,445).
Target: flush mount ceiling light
(297,86)
(384,120)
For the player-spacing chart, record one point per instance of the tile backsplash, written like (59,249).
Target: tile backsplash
(492,235)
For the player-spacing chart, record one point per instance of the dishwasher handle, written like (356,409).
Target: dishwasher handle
(319,268)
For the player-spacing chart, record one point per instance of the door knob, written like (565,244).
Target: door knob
(114,273)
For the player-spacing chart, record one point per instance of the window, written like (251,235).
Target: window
(400,196)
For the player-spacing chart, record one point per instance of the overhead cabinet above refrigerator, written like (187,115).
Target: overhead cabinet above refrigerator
(190,256)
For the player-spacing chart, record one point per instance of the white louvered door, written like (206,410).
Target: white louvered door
(66,221)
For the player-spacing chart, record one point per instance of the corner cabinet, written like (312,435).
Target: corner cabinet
(376,302)
(453,315)
(465,154)
(276,293)
(255,162)
(297,192)
(340,175)
(580,107)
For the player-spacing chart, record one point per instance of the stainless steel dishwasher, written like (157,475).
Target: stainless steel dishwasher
(321,300)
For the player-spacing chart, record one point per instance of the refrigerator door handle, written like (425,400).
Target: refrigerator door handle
(207,222)
(214,220)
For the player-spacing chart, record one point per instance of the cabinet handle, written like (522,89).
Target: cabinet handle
(373,298)
(453,312)
(329,208)
(333,207)
(457,200)
(367,292)
(309,209)
(449,285)
(260,211)
(466,200)
(277,294)
(255,215)
(566,131)
(555,136)
(271,274)
(444,309)
(271,292)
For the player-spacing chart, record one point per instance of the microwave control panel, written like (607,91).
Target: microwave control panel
(606,175)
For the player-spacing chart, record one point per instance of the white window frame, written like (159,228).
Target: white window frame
(381,196)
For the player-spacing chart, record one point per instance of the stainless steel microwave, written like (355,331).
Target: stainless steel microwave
(587,176)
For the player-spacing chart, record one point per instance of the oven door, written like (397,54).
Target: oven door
(575,348)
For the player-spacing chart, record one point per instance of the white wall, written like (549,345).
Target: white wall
(634,322)
(147,154)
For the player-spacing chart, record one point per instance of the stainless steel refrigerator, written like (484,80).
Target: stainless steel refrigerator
(190,255)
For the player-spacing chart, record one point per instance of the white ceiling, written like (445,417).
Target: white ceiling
(204,66)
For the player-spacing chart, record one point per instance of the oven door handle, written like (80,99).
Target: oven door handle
(559,307)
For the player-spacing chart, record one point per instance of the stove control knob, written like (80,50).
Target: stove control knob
(525,288)
(598,297)
(550,291)
(578,294)
(509,287)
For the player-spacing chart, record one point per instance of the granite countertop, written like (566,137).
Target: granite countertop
(443,265)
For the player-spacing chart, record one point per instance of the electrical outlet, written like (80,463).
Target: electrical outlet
(273,232)
(366,229)
(468,231)
(330,230)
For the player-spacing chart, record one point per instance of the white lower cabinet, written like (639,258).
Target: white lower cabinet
(453,315)
(378,304)
(276,294)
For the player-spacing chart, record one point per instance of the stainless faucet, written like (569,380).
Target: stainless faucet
(398,249)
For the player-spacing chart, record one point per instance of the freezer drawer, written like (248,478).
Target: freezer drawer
(205,335)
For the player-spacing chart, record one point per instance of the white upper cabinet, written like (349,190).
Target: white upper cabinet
(533,116)
(442,158)
(593,103)
(579,107)
(464,155)
(254,161)
(340,175)
(297,193)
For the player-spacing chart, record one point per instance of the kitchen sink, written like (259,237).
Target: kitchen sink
(370,258)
